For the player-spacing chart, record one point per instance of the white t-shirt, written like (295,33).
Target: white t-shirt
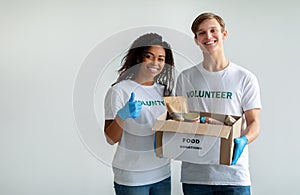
(230,91)
(135,162)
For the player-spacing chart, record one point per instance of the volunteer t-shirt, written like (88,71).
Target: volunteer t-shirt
(230,91)
(135,162)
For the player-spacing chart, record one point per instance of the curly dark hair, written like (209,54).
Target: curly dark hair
(136,54)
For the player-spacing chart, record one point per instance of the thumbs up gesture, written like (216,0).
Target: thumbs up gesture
(131,109)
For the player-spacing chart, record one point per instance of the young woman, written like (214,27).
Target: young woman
(132,105)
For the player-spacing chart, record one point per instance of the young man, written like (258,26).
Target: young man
(240,97)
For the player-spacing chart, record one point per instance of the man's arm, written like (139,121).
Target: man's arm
(252,132)
(253,124)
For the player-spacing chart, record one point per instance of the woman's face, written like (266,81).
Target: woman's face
(153,63)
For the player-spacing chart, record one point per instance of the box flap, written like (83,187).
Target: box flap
(192,128)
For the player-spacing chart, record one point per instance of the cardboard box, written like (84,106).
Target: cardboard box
(196,142)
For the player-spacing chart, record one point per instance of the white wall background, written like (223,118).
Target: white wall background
(44,43)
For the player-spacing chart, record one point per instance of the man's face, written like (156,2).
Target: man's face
(209,36)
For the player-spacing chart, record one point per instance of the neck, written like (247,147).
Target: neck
(147,83)
(144,82)
(214,63)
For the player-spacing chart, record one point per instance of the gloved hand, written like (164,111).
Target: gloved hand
(131,109)
(240,144)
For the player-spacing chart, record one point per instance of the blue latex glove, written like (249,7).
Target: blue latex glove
(131,109)
(240,144)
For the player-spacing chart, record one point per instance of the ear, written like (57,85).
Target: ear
(225,34)
(139,60)
(196,41)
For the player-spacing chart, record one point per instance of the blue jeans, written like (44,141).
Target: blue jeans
(197,189)
(160,188)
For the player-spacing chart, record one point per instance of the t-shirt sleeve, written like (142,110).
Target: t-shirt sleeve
(251,96)
(179,85)
(113,103)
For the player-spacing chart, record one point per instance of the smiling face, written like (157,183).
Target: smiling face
(210,37)
(153,63)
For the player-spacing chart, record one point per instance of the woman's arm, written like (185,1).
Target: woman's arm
(113,130)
